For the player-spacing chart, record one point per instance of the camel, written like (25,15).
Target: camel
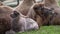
(38,9)
(21,23)
(24,6)
(5,19)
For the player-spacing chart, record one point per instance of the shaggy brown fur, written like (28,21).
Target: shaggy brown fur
(39,9)
(25,6)
(5,20)
(32,14)
(56,20)
(54,4)
(44,12)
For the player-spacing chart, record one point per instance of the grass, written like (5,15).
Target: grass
(44,30)
(59,2)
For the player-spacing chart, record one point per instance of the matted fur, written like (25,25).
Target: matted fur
(54,4)
(5,20)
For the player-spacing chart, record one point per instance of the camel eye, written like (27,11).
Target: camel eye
(14,14)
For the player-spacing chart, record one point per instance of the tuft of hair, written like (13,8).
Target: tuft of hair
(5,24)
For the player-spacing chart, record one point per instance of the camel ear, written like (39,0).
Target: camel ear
(14,14)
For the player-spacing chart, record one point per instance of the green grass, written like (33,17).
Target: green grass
(44,30)
(59,2)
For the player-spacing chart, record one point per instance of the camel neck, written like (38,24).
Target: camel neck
(50,2)
(28,1)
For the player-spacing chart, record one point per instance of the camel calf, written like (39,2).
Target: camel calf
(21,23)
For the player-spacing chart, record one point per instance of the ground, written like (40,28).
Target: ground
(45,30)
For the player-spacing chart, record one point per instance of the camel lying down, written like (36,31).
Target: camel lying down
(21,23)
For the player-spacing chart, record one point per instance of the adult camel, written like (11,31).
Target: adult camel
(5,20)
(43,12)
